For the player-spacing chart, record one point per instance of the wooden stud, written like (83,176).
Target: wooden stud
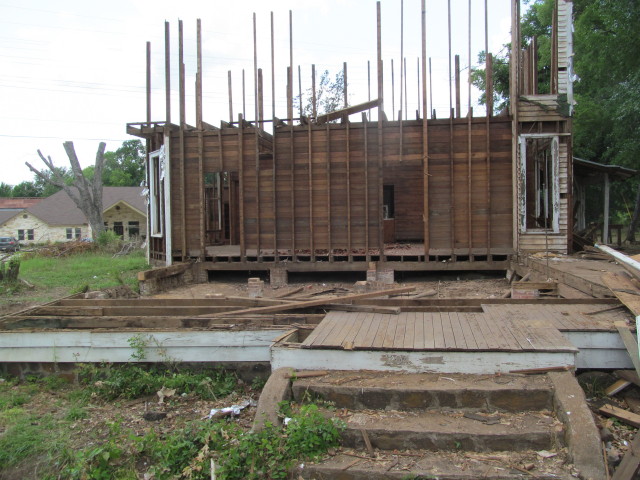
(230,96)
(273,92)
(419,87)
(290,76)
(406,94)
(469,166)
(244,98)
(554,50)
(148,83)
(257,96)
(200,137)
(314,109)
(293,167)
(167,72)
(274,177)
(366,186)
(403,73)
(300,92)
(514,94)
(432,110)
(369,84)
(199,74)
(328,165)
(380,127)
(310,179)
(425,137)
(183,180)
(451,166)
(393,92)
(457,86)
(243,246)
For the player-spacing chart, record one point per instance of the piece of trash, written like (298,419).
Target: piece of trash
(232,411)
(286,421)
(165,392)
(546,454)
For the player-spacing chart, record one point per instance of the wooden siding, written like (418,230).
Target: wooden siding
(314,189)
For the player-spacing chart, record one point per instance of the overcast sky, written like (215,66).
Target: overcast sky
(75,69)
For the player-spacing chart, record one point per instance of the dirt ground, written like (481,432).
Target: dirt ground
(446,285)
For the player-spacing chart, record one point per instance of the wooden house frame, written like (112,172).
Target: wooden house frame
(458,193)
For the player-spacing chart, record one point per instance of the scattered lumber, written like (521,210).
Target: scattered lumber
(534,371)
(312,303)
(307,374)
(427,293)
(362,308)
(630,465)
(625,416)
(630,343)
(628,375)
(617,387)
(290,292)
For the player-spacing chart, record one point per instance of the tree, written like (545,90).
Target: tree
(26,189)
(5,189)
(125,166)
(329,95)
(87,195)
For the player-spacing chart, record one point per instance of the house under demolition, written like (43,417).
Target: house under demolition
(326,193)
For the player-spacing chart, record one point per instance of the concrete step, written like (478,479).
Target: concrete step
(381,390)
(453,431)
(440,465)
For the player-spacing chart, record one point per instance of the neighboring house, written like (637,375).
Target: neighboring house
(58,219)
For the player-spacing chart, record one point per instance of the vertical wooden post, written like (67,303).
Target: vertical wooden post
(487,125)
(554,49)
(310,180)
(183,180)
(244,97)
(393,93)
(293,166)
(167,72)
(243,245)
(457,73)
(432,110)
(366,185)
(200,139)
(369,84)
(230,96)
(425,137)
(452,197)
(260,100)
(402,72)
(419,86)
(514,94)
(346,85)
(300,92)
(273,84)
(406,92)
(290,73)
(469,165)
(329,216)
(348,160)
(199,75)
(148,84)
(605,223)
(314,110)
(257,112)
(380,126)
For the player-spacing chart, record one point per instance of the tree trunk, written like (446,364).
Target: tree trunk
(86,195)
(631,235)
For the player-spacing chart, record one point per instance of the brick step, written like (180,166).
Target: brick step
(441,465)
(453,431)
(380,390)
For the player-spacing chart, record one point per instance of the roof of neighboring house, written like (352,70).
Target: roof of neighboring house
(6,215)
(59,209)
(19,203)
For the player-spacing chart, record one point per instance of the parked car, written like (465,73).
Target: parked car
(9,244)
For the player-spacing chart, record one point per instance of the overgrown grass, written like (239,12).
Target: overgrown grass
(46,445)
(89,270)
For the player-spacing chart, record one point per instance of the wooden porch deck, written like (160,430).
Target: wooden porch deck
(437,331)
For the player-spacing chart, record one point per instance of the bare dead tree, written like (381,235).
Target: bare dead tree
(87,195)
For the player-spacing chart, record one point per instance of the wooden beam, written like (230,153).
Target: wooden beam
(366,185)
(148,83)
(625,416)
(230,96)
(457,85)
(167,72)
(183,177)
(380,129)
(317,302)
(630,343)
(345,112)
(425,138)
(630,465)
(328,166)
(243,246)
(199,74)
(362,308)
(310,180)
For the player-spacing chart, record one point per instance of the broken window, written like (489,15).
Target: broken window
(388,205)
(213,199)
(539,196)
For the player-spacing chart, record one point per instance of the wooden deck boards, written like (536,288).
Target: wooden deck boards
(494,330)
(575,318)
